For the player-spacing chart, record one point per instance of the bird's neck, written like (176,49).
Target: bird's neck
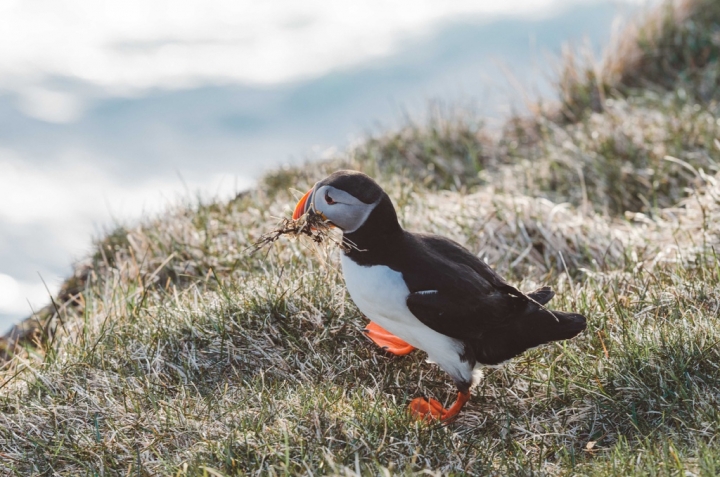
(377,238)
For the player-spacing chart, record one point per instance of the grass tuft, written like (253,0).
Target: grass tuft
(173,350)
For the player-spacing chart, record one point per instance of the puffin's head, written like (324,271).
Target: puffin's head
(344,198)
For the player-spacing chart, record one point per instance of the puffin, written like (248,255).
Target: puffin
(427,292)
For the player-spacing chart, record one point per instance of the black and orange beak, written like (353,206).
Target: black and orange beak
(304,204)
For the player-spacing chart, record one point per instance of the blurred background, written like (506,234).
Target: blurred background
(109,111)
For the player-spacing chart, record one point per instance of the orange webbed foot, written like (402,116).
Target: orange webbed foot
(386,340)
(426,409)
(431,409)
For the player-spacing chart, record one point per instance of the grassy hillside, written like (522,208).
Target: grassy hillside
(172,350)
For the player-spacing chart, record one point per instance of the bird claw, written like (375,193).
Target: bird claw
(431,409)
(426,409)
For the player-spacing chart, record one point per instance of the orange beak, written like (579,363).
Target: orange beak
(303,204)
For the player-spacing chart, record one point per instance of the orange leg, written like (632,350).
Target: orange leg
(386,340)
(431,409)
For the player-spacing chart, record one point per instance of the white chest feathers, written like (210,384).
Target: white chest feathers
(381,293)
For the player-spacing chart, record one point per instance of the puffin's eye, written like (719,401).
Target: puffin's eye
(328,199)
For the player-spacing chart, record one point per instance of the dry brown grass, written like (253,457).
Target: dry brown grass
(309,225)
(175,351)
(184,351)
(675,47)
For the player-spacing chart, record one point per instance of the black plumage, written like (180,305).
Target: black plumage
(473,303)
(430,292)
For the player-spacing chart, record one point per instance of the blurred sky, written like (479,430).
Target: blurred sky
(112,110)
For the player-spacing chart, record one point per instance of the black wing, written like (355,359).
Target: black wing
(465,317)
(466,297)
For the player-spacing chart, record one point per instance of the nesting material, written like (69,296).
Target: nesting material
(311,224)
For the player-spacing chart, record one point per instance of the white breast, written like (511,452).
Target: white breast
(381,293)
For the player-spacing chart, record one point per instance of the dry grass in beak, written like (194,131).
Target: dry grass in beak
(310,224)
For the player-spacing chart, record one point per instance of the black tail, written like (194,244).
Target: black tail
(542,295)
(527,332)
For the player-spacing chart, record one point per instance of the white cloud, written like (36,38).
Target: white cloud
(21,297)
(50,106)
(129,46)
(77,190)
(68,201)
(9,290)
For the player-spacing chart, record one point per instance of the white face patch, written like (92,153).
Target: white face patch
(341,208)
